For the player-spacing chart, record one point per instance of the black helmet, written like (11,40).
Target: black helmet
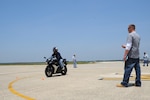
(55,49)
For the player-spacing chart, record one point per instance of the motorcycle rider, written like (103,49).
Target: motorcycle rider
(58,57)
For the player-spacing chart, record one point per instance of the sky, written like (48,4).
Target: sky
(91,29)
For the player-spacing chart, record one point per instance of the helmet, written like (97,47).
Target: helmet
(55,49)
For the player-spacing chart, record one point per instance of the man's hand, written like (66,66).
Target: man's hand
(123,46)
(124,58)
(125,55)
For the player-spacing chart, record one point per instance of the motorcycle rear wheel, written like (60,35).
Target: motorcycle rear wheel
(64,71)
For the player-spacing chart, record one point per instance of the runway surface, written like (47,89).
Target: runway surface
(28,82)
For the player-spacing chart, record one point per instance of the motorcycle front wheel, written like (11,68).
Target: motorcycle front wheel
(48,71)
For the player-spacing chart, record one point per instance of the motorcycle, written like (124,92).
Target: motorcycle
(53,67)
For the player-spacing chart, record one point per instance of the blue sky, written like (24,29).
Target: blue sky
(91,29)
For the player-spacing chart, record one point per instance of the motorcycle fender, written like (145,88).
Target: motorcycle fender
(55,68)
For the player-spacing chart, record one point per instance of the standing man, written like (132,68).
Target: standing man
(131,57)
(146,59)
(74,61)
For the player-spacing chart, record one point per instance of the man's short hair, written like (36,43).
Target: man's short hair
(132,25)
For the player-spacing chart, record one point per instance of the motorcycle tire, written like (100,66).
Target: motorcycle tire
(64,71)
(49,71)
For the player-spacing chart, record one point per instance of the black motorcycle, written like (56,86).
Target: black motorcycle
(53,67)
